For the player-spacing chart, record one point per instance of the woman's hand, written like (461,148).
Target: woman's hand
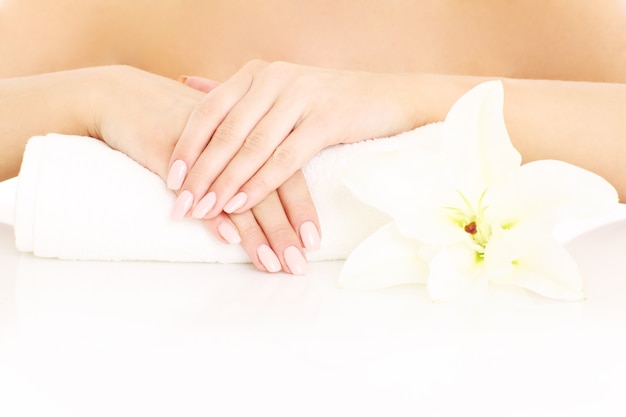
(277,231)
(250,134)
(139,113)
(143,115)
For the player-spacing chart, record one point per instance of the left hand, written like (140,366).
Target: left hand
(276,232)
(250,134)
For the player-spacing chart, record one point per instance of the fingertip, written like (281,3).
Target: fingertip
(204,206)
(176,175)
(296,262)
(182,205)
(310,236)
(229,233)
(268,258)
(236,203)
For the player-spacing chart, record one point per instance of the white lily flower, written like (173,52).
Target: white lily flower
(471,214)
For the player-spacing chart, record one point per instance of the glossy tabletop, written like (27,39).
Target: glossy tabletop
(165,339)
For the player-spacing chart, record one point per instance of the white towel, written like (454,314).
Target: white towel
(79,199)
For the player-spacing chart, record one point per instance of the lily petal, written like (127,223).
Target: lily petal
(409,186)
(456,273)
(471,213)
(393,181)
(551,191)
(384,259)
(475,143)
(536,262)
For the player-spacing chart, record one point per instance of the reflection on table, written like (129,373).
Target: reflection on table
(162,339)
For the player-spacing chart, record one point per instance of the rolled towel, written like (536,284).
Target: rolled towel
(79,199)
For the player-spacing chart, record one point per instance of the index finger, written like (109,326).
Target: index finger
(202,123)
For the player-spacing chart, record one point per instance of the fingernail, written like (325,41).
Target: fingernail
(236,203)
(182,79)
(204,206)
(310,236)
(295,261)
(229,233)
(177,174)
(268,258)
(182,205)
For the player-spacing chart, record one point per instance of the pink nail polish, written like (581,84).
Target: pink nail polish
(295,261)
(182,205)
(229,233)
(268,258)
(204,206)
(310,236)
(177,174)
(236,202)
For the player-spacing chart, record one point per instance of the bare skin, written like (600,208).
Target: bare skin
(432,50)
(560,39)
(142,115)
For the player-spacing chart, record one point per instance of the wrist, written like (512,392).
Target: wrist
(40,104)
(97,85)
(432,95)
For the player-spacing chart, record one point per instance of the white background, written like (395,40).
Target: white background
(160,339)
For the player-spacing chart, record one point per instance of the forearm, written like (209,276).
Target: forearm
(578,122)
(37,105)
(133,111)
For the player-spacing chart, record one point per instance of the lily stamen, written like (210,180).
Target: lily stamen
(471,228)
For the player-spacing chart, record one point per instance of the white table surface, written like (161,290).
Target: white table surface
(159,339)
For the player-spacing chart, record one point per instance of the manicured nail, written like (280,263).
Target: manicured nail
(236,202)
(295,261)
(268,258)
(204,206)
(310,236)
(229,233)
(177,174)
(182,205)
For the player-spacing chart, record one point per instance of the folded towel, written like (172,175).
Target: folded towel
(7,200)
(79,199)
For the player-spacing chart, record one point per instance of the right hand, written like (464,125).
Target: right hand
(252,132)
(275,232)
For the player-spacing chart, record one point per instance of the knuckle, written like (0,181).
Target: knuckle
(254,65)
(284,157)
(259,182)
(195,177)
(280,71)
(227,132)
(256,142)
(204,110)
(249,231)
(281,235)
(303,208)
(279,66)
